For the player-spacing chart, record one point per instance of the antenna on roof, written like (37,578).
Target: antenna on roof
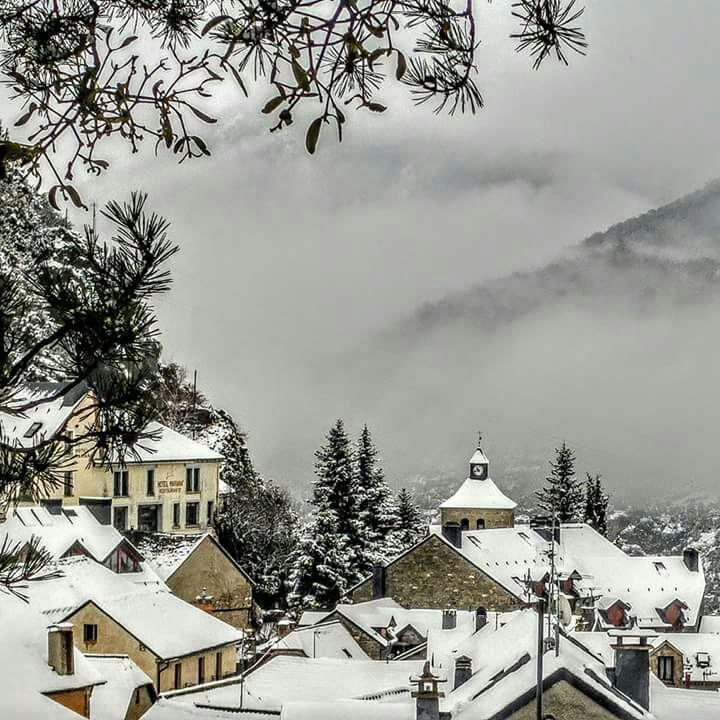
(94,217)
(194,404)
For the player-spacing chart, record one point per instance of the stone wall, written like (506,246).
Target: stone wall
(492,518)
(371,647)
(433,575)
(565,701)
(666,650)
(209,567)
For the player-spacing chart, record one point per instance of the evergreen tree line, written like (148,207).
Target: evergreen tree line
(565,497)
(356,522)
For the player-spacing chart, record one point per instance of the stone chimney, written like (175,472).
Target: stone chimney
(449,619)
(480,618)
(60,649)
(632,664)
(691,558)
(453,533)
(463,670)
(205,602)
(378,581)
(427,696)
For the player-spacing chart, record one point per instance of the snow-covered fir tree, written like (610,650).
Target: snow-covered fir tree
(334,529)
(32,233)
(376,509)
(596,504)
(408,525)
(321,568)
(562,495)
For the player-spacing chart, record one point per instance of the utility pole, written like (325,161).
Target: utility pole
(540,649)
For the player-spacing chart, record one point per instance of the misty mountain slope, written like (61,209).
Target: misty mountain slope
(669,255)
(612,347)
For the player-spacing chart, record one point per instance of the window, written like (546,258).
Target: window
(192,513)
(120,483)
(192,479)
(481,524)
(201,670)
(137,696)
(210,509)
(666,667)
(89,633)
(176,515)
(150,482)
(218,665)
(68,484)
(178,676)
(464,524)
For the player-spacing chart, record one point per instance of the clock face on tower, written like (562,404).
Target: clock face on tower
(478,471)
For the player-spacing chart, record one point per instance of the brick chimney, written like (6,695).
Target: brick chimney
(284,627)
(61,656)
(632,664)
(463,670)
(205,602)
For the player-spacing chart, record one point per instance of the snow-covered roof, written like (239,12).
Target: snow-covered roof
(79,580)
(148,615)
(310,617)
(166,553)
(668,703)
(348,710)
(171,709)
(122,677)
(710,624)
(287,678)
(43,421)
(479,494)
(700,651)
(25,670)
(504,670)
(479,458)
(60,531)
(384,613)
(169,446)
(646,583)
(329,639)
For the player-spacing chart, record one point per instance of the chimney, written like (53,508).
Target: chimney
(463,670)
(378,581)
(427,696)
(632,666)
(449,619)
(691,558)
(205,602)
(60,649)
(451,531)
(284,627)
(480,618)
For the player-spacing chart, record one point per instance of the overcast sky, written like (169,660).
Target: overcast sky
(289,260)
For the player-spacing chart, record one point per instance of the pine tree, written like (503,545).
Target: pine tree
(374,501)
(409,526)
(596,504)
(331,554)
(562,495)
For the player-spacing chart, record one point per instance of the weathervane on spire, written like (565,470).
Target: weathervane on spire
(479,439)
